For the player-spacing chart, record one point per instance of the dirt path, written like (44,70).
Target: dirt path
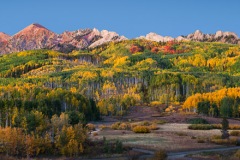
(175,155)
(182,154)
(171,156)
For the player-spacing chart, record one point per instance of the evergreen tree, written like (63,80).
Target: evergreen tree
(225,125)
(203,107)
(226,107)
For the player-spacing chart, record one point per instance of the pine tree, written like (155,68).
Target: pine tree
(225,125)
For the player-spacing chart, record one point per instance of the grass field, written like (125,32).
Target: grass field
(170,136)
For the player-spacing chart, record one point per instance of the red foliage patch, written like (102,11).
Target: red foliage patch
(136,48)
(155,49)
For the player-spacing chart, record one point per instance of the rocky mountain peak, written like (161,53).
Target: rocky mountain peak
(33,29)
(106,36)
(96,31)
(231,34)
(36,36)
(4,37)
(197,35)
(225,34)
(36,25)
(219,36)
(198,32)
(156,37)
(153,36)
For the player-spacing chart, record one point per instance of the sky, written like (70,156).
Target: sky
(131,18)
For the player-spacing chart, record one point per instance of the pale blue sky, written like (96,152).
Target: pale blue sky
(131,18)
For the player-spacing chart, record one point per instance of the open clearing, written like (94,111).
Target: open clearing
(173,136)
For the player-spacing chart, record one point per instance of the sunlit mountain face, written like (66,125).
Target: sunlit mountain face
(35,36)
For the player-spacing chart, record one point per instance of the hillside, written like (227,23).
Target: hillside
(48,98)
(120,74)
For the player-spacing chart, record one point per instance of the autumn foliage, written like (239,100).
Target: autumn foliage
(226,101)
(155,49)
(141,129)
(67,141)
(136,48)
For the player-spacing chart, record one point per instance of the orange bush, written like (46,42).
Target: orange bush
(141,129)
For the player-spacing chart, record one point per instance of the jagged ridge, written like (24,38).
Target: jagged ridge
(36,36)
(219,36)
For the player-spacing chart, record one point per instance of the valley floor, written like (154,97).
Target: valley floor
(173,136)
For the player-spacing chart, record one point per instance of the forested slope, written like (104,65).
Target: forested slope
(120,74)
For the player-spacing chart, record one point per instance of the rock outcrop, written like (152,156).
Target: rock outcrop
(156,37)
(106,36)
(4,37)
(219,36)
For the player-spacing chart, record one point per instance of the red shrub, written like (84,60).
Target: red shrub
(136,48)
(155,49)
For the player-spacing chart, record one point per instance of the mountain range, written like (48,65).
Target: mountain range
(36,36)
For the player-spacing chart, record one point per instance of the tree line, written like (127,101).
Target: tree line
(224,103)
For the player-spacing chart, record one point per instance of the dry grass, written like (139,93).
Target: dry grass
(102,127)
(153,127)
(181,134)
(160,155)
(95,134)
(159,121)
(231,141)
(91,126)
(224,155)
(237,154)
(164,138)
(234,127)
(235,133)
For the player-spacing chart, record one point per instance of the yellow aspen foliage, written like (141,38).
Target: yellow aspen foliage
(102,107)
(107,73)
(70,139)
(29,146)
(87,75)
(24,123)
(121,62)
(111,108)
(233,51)
(72,147)
(75,102)
(53,53)
(14,115)
(146,64)
(64,119)
(73,89)
(109,88)
(198,60)
(214,97)
(110,60)
(70,133)
(81,148)
(97,96)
